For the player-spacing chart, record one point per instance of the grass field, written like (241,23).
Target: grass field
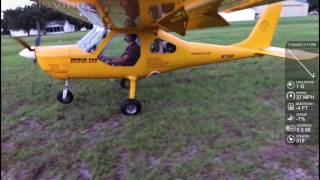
(221,121)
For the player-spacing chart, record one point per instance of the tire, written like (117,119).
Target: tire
(125,83)
(130,107)
(67,100)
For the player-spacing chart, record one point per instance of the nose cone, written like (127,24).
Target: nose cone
(26,53)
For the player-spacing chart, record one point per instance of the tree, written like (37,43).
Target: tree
(4,26)
(313,5)
(26,18)
(22,18)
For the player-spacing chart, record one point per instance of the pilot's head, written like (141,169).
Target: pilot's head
(130,38)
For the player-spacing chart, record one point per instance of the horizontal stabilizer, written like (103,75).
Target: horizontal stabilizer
(293,54)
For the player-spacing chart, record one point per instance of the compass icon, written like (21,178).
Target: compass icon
(291,139)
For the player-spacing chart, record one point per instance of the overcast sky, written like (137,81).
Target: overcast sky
(12,4)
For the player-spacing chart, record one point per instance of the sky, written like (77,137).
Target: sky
(12,4)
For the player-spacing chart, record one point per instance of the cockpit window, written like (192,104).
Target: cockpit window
(122,50)
(116,46)
(162,46)
(92,39)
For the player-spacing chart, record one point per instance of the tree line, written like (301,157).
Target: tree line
(313,5)
(25,19)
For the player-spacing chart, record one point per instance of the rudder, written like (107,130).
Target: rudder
(262,34)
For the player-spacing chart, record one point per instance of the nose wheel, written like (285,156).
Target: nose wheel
(65,96)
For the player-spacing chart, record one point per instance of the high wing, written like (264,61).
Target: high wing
(236,5)
(171,15)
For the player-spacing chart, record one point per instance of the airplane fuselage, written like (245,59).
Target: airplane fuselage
(71,62)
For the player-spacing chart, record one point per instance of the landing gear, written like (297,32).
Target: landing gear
(125,83)
(65,96)
(130,106)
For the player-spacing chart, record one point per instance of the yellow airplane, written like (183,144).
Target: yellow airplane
(146,26)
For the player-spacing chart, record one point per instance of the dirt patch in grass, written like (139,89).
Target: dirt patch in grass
(31,150)
(19,134)
(294,162)
(222,157)
(269,94)
(122,164)
(23,147)
(93,134)
(153,162)
(217,175)
(27,123)
(232,129)
(15,107)
(190,152)
(81,171)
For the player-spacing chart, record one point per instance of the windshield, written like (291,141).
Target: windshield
(92,39)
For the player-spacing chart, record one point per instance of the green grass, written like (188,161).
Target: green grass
(209,122)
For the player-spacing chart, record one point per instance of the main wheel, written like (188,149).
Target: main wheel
(130,107)
(125,83)
(67,100)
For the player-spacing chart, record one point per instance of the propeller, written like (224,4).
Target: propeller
(38,38)
(23,43)
(29,51)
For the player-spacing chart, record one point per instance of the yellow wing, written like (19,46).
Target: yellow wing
(236,5)
(171,15)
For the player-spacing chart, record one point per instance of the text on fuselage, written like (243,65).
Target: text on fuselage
(84,60)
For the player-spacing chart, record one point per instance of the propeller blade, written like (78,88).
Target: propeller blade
(38,38)
(23,43)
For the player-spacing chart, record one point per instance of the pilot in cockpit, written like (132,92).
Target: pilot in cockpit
(129,57)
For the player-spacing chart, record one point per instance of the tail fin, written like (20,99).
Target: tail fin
(261,37)
(262,34)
